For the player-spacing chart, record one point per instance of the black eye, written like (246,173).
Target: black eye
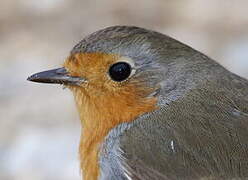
(120,71)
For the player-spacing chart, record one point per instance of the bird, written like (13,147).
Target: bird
(153,108)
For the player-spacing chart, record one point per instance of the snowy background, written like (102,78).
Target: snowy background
(39,126)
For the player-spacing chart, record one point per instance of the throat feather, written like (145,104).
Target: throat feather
(98,116)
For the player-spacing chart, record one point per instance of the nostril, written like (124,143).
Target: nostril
(62,71)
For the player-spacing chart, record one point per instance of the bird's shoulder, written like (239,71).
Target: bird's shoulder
(203,134)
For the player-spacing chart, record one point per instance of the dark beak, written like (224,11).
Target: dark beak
(56,76)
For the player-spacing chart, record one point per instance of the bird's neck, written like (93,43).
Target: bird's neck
(99,114)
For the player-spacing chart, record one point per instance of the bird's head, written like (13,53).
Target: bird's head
(114,75)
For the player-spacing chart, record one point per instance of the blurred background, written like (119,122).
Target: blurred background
(39,126)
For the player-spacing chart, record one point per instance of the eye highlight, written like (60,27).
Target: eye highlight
(120,71)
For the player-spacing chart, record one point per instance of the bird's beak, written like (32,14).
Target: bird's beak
(56,76)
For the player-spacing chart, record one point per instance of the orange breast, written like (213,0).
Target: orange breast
(99,116)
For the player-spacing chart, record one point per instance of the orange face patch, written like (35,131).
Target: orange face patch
(103,103)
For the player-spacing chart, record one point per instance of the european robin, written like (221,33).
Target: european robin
(154,108)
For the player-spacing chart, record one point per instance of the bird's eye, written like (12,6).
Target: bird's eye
(120,71)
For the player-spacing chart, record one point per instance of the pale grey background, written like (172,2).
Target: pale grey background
(39,126)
